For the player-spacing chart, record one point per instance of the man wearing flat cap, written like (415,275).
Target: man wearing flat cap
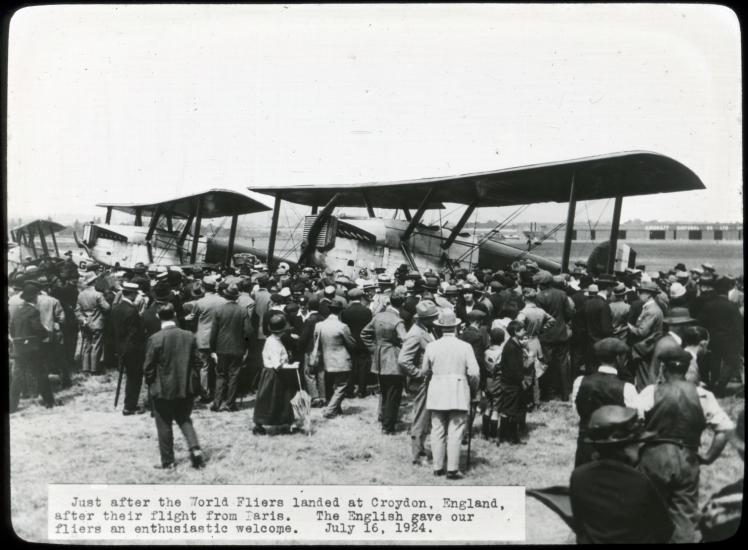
(357,316)
(555,341)
(129,345)
(410,360)
(602,387)
(611,500)
(644,334)
(679,411)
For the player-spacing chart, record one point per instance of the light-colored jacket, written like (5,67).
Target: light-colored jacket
(205,310)
(91,308)
(384,335)
(414,347)
(454,370)
(649,321)
(336,343)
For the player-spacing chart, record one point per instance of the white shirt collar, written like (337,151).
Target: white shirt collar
(165,324)
(607,369)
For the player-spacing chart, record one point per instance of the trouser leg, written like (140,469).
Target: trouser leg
(234,369)
(133,362)
(684,501)
(729,367)
(565,381)
(97,351)
(256,353)
(311,384)
(222,379)
(19,365)
(339,383)
(456,430)
(439,428)
(182,416)
(69,342)
(421,423)
(163,413)
(86,351)
(41,376)
(392,391)
(207,374)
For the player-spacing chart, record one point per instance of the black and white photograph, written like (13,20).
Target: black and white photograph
(349,274)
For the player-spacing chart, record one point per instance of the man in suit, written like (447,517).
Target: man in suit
(229,342)
(357,316)
(611,500)
(454,376)
(555,340)
(26,333)
(204,310)
(410,360)
(314,375)
(598,323)
(675,324)
(172,366)
(90,311)
(129,345)
(603,387)
(262,304)
(644,334)
(66,291)
(336,343)
(384,336)
(723,320)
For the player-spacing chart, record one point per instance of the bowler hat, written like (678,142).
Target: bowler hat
(609,346)
(277,323)
(431,283)
(426,309)
(447,319)
(616,425)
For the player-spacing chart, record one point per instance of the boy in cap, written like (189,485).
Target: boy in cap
(611,500)
(679,411)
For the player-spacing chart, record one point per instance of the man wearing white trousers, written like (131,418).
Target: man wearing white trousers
(454,371)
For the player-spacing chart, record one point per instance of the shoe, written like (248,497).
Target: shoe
(454,475)
(170,467)
(388,432)
(419,461)
(259,430)
(139,410)
(214,408)
(197,459)
(206,399)
(441,472)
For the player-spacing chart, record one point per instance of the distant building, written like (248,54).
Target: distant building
(643,231)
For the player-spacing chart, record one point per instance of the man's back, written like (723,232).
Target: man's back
(335,340)
(171,358)
(722,319)
(231,329)
(615,503)
(560,307)
(206,308)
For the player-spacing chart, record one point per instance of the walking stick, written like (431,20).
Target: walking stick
(471,417)
(119,381)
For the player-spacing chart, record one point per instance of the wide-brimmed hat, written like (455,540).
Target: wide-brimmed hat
(431,283)
(620,290)
(677,290)
(161,292)
(451,290)
(678,316)
(447,319)
(277,323)
(649,286)
(542,277)
(426,309)
(616,425)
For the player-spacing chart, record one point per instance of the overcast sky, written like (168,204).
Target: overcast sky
(137,102)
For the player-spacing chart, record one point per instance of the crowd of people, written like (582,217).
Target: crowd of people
(645,349)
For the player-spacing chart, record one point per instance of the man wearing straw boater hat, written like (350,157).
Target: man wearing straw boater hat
(611,500)
(410,360)
(454,375)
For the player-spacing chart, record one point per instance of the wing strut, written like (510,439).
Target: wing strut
(569,227)
(149,234)
(369,209)
(460,224)
(42,238)
(613,244)
(232,236)
(196,232)
(417,216)
(273,230)
(183,236)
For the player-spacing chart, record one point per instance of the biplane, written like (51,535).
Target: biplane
(173,234)
(31,241)
(342,243)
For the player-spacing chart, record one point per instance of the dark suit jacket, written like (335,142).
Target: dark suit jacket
(722,319)
(128,328)
(172,364)
(478,339)
(356,316)
(558,304)
(306,340)
(231,330)
(598,322)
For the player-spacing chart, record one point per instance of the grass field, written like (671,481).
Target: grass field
(86,441)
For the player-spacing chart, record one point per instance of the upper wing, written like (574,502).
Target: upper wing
(217,203)
(617,174)
(47,226)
